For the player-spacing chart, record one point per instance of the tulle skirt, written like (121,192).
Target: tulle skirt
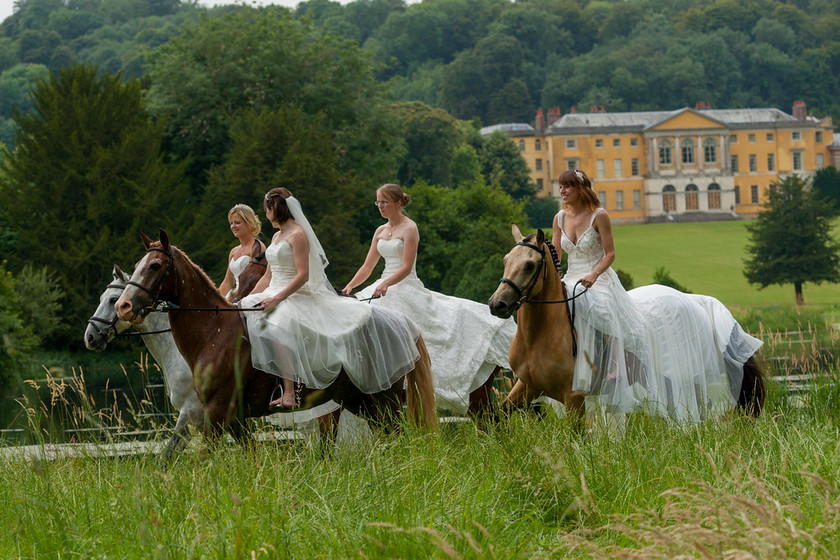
(310,338)
(464,340)
(657,349)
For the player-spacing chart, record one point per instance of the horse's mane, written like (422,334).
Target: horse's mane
(199,271)
(551,249)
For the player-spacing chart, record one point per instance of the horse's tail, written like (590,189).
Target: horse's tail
(420,391)
(753,389)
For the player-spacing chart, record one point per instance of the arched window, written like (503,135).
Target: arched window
(710,150)
(687,146)
(669,198)
(665,152)
(691,197)
(714,196)
(522,145)
(537,145)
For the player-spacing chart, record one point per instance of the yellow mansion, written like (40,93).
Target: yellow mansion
(688,164)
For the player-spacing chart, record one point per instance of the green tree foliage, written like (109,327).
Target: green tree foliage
(431,137)
(464,234)
(503,166)
(826,185)
(87,174)
(267,59)
(791,241)
(663,277)
(541,211)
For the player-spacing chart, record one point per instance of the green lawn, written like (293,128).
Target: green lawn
(707,258)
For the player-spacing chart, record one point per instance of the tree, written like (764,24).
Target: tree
(503,166)
(791,242)
(826,185)
(431,137)
(86,175)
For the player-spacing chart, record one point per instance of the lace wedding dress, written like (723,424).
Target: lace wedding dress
(652,348)
(464,340)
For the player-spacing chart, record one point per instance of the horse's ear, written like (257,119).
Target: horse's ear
(146,240)
(164,239)
(255,249)
(517,235)
(119,274)
(540,237)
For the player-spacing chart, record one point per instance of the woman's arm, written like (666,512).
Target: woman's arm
(228,281)
(411,240)
(300,251)
(370,262)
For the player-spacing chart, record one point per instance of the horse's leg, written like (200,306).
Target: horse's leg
(519,396)
(575,408)
(481,398)
(328,426)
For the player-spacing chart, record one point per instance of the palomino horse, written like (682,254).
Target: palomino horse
(212,342)
(104,325)
(543,351)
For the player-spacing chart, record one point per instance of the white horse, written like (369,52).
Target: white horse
(104,325)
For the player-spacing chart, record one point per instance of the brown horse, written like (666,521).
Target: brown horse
(210,337)
(543,351)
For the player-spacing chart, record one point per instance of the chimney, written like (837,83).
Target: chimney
(572,110)
(602,109)
(539,122)
(800,111)
(701,105)
(593,108)
(553,114)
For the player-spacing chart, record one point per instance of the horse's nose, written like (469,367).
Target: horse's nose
(123,307)
(497,308)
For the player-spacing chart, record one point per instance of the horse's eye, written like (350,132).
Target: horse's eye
(154,266)
(530,266)
(113,300)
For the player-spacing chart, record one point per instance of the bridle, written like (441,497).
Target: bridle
(524,294)
(111,325)
(155,290)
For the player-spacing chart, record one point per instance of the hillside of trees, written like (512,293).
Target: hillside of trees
(122,115)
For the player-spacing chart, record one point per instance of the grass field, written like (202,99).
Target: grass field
(707,258)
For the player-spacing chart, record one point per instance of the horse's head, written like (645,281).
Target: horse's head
(525,267)
(104,324)
(154,278)
(252,273)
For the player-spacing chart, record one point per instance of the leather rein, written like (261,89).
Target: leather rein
(524,294)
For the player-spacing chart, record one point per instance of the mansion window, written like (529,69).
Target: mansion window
(619,200)
(599,168)
(665,152)
(796,135)
(634,142)
(538,164)
(797,161)
(602,198)
(616,143)
(634,167)
(691,197)
(637,199)
(754,194)
(714,196)
(751,138)
(710,150)
(737,195)
(537,145)
(769,136)
(617,169)
(571,143)
(820,162)
(818,137)
(753,163)
(771,162)
(733,138)
(522,145)
(599,143)
(669,198)
(733,163)
(687,148)
(540,184)
(571,164)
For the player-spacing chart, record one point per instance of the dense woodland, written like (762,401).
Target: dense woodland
(120,115)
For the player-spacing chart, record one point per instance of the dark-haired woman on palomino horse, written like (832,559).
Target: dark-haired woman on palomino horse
(652,349)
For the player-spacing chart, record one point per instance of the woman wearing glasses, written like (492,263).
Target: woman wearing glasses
(466,343)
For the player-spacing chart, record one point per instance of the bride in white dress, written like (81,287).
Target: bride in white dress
(465,342)
(245,226)
(653,348)
(309,333)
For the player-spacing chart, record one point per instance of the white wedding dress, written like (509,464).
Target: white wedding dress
(314,333)
(652,348)
(237,267)
(464,340)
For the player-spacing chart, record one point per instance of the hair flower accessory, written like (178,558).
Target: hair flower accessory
(579,174)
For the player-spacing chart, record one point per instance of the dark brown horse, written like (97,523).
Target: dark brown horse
(542,353)
(210,337)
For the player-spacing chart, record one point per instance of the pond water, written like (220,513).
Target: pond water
(91,402)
